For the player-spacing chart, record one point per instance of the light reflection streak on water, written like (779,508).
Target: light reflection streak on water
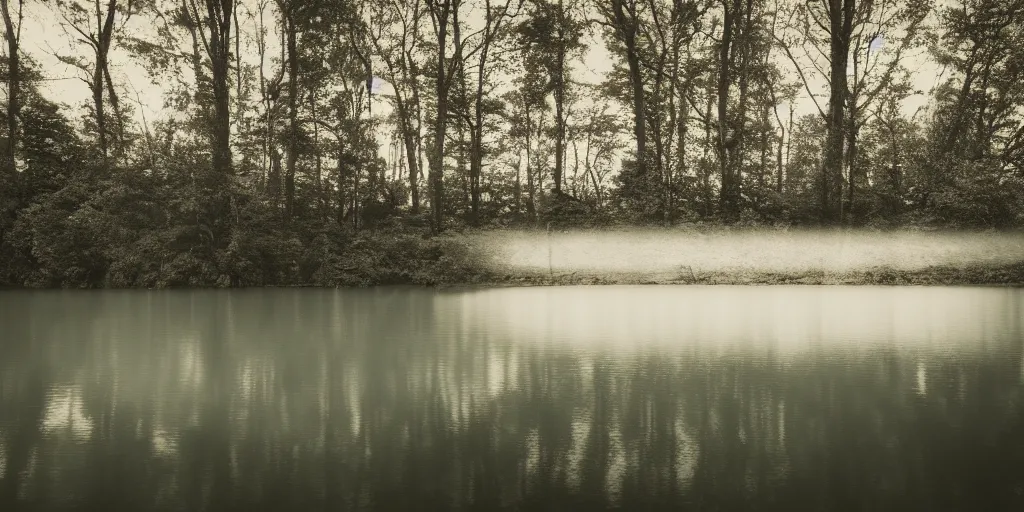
(64,413)
(715,318)
(922,379)
(617,462)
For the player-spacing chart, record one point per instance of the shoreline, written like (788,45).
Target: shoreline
(510,258)
(988,275)
(1005,275)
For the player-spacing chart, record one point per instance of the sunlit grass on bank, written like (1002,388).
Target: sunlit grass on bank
(771,251)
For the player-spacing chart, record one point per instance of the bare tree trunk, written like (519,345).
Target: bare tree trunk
(440,12)
(460,163)
(476,154)
(763,172)
(708,144)
(531,205)
(624,13)
(102,44)
(409,144)
(519,186)
(115,104)
(560,104)
(789,145)
(414,147)
(778,165)
(340,214)
(841,22)
(13,37)
(216,38)
(726,195)
(318,177)
(97,101)
(293,106)
(851,147)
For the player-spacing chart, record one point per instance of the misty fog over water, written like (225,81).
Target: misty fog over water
(779,251)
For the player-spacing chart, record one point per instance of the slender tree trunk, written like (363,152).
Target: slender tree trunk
(683,122)
(518,201)
(789,147)
(354,209)
(293,107)
(415,151)
(764,172)
(778,165)
(476,154)
(560,103)
(559,125)
(115,105)
(97,103)
(851,143)
(340,214)
(460,163)
(709,142)
(8,170)
(531,206)
(726,195)
(13,37)
(409,143)
(102,41)
(659,145)
(318,177)
(441,15)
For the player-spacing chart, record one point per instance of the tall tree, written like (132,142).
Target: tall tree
(289,25)
(494,19)
(886,31)
(8,170)
(981,44)
(834,29)
(396,42)
(12,33)
(213,20)
(444,16)
(624,21)
(735,59)
(551,37)
(94,22)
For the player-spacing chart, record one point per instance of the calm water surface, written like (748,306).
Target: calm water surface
(631,398)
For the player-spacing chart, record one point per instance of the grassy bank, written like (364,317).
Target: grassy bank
(974,275)
(702,256)
(686,255)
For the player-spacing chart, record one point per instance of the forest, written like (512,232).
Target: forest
(341,142)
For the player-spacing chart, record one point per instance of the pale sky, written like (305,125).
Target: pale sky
(42,37)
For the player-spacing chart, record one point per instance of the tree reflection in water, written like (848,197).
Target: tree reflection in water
(731,399)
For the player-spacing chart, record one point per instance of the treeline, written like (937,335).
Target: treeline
(267,168)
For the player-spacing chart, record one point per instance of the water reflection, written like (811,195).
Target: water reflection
(720,398)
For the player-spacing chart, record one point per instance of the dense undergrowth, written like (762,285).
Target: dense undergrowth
(401,253)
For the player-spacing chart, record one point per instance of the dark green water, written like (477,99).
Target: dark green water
(633,398)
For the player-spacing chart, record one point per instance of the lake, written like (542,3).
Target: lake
(571,398)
